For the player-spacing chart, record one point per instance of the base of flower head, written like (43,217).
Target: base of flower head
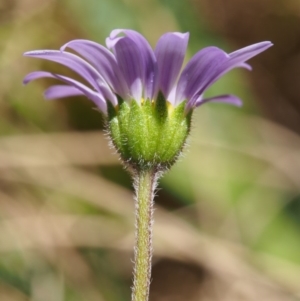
(150,134)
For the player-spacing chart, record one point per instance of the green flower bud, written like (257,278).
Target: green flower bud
(149,134)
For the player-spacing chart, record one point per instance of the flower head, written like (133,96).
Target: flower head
(141,90)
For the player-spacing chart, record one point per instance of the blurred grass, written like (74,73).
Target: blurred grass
(230,207)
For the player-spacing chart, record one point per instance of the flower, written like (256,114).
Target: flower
(134,71)
(132,84)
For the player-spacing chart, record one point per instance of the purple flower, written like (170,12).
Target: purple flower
(130,69)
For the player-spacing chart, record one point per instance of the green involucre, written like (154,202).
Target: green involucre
(151,134)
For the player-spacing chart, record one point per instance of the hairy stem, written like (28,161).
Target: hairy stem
(145,184)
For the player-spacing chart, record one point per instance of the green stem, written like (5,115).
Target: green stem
(145,183)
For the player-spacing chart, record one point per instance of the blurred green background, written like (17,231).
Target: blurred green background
(227,218)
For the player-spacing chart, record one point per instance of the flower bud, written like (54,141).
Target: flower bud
(148,134)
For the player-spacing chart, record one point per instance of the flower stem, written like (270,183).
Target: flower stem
(145,183)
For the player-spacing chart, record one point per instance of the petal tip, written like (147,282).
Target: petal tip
(267,44)
(66,45)
(26,80)
(182,35)
(29,53)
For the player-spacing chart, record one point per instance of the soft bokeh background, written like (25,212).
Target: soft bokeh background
(227,219)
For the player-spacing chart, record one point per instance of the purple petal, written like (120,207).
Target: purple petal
(130,62)
(149,66)
(246,53)
(71,61)
(61,91)
(229,99)
(237,59)
(77,64)
(170,51)
(197,73)
(96,97)
(208,65)
(103,61)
